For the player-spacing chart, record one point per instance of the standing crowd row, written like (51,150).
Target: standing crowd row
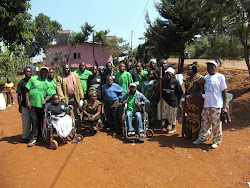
(95,97)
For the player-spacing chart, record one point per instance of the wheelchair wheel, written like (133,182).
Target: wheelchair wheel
(46,132)
(149,133)
(54,144)
(79,138)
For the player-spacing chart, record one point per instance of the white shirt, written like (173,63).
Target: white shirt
(214,85)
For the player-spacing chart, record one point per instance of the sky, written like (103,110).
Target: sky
(120,17)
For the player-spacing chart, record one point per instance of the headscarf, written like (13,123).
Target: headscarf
(92,91)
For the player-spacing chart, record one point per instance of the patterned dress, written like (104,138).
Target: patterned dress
(193,107)
(92,110)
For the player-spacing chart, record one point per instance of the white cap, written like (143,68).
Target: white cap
(212,62)
(132,85)
(171,70)
(153,60)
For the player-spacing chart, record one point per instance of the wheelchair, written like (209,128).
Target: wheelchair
(145,121)
(48,131)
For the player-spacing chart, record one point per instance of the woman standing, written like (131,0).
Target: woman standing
(149,89)
(194,86)
(171,94)
(92,111)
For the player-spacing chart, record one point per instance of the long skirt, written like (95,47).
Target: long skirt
(63,126)
(192,118)
(168,112)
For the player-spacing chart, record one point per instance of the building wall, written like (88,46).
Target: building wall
(86,54)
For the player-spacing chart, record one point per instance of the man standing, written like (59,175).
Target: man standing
(134,99)
(129,68)
(51,81)
(94,81)
(70,91)
(141,75)
(83,75)
(21,91)
(35,99)
(109,72)
(215,100)
(153,66)
(123,78)
(112,92)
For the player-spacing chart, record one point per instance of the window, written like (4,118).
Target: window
(77,55)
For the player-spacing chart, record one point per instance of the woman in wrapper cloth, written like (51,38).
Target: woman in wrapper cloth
(92,111)
(171,93)
(149,89)
(61,121)
(194,86)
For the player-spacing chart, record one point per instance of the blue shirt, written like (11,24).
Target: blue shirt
(111,93)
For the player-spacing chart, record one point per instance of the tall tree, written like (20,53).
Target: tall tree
(179,22)
(16,26)
(46,32)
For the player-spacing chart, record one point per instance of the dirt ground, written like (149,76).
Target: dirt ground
(165,160)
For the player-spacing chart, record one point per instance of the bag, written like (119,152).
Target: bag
(223,117)
(2,102)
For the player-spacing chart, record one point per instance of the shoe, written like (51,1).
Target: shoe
(101,125)
(169,127)
(141,134)
(172,131)
(197,142)
(214,146)
(8,104)
(13,103)
(131,133)
(32,142)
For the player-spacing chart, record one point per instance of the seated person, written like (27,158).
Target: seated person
(92,111)
(61,121)
(134,100)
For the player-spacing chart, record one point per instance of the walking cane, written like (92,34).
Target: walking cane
(161,96)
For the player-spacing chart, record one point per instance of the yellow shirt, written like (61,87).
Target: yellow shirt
(9,86)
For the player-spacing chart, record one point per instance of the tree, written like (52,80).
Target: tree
(232,17)
(16,26)
(180,21)
(12,62)
(46,32)
(116,45)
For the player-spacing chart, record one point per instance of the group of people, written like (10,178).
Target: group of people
(97,95)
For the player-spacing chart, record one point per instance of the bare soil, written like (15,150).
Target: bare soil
(103,160)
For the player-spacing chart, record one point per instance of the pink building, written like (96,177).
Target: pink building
(63,53)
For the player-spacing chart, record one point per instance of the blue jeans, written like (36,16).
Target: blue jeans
(138,119)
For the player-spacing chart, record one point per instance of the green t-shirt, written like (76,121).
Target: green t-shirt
(123,80)
(140,79)
(84,77)
(51,87)
(131,104)
(37,90)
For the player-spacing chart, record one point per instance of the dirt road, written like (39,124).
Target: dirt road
(165,160)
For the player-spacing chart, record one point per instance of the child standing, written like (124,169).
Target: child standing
(8,89)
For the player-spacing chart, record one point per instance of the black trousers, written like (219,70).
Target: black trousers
(111,113)
(36,120)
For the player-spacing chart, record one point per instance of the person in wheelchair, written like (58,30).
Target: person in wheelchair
(134,100)
(61,121)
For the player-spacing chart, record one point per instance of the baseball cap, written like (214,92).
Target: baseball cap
(212,62)
(44,68)
(132,85)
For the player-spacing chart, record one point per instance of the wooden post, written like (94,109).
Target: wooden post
(161,96)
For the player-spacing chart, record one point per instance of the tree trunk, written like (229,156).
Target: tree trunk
(246,56)
(94,50)
(181,59)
